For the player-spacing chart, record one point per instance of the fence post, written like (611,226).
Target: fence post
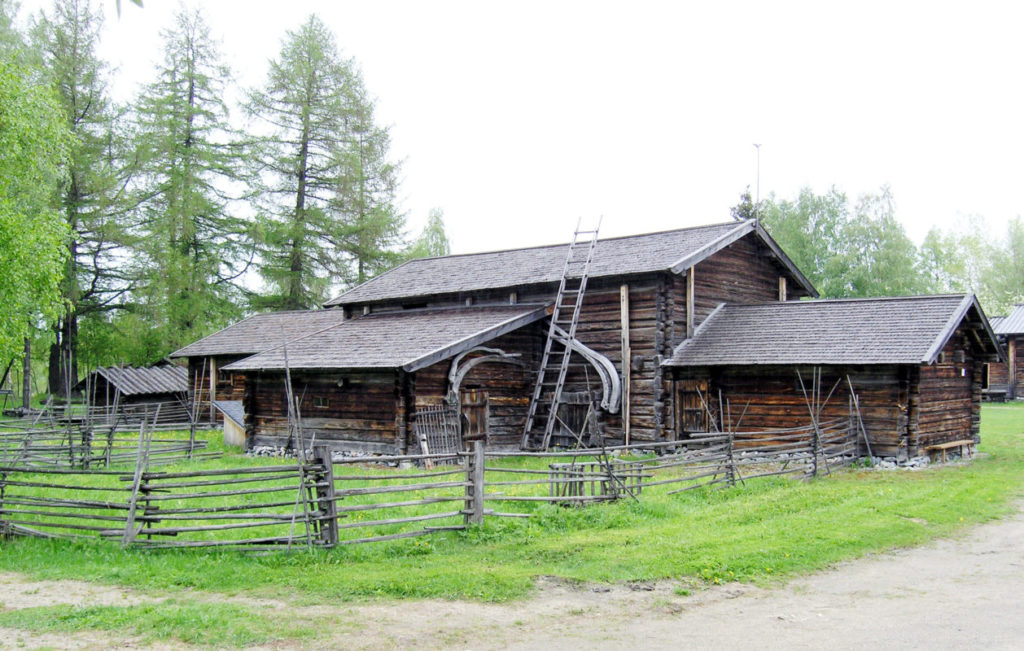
(732,460)
(325,496)
(474,512)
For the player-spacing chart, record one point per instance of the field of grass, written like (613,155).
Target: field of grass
(767,528)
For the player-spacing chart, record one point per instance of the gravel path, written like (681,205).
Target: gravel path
(950,594)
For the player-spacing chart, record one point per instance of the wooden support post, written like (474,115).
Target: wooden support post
(689,302)
(474,513)
(326,503)
(626,359)
(26,378)
(782,288)
(213,389)
(1011,364)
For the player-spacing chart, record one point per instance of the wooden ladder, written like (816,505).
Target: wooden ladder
(554,365)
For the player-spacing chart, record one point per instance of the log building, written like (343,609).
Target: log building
(471,330)
(1004,379)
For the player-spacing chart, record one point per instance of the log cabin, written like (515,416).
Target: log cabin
(1003,379)
(474,333)
(915,365)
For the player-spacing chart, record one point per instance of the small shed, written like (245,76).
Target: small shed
(914,363)
(136,389)
(1008,378)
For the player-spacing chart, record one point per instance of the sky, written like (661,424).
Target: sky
(519,118)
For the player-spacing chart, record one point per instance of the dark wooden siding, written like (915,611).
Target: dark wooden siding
(353,411)
(229,386)
(770,397)
(739,273)
(507,387)
(949,395)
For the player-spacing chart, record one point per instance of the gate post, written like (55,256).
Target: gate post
(474,511)
(326,504)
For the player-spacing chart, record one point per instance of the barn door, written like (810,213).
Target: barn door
(475,415)
(692,402)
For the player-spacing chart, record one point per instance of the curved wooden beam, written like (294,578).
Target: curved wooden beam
(611,385)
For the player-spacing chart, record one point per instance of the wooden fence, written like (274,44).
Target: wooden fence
(317,502)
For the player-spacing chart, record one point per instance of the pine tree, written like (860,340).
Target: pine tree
(98,276)
(432,241)
(195,248)
(324,185)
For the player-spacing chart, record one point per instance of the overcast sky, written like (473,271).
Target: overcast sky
(517,118)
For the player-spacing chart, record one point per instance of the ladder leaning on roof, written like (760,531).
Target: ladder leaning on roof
(554,365)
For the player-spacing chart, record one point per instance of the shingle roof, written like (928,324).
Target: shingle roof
(262,331)
(635,254)
(1012,324)
(910,330)
(131,381)
(232,409)
(410,339)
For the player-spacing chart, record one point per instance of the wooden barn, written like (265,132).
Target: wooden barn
(1006,378)
(135,389)
(532,348)
(914,363)
(207,380)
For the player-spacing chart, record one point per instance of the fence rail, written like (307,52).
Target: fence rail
(320,502)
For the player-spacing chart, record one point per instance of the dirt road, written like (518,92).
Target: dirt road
(961,593)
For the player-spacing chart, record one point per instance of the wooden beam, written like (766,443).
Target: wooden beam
(626,357)
(782,289)
(689,302)
(213,387)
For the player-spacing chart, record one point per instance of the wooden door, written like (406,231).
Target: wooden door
(692,404)
(475,415)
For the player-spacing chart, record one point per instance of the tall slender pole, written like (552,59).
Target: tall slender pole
(757,200)
(26,378)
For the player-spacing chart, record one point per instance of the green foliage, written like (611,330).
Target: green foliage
(33,149)
(846,252)
(322,175)
(195,249)
(432,241)
(99,273)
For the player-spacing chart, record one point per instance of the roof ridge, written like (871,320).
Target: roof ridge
(563,244)
(864,299)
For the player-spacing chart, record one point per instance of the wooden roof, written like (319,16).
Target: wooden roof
(908,330)
(133,381)
(1012,324)
(674,250)
(262,331)
(408,339)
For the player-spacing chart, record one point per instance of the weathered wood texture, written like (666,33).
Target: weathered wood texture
(740,273)
(505,388)
(950,395)
(771,397)
(228,386)
(344,410)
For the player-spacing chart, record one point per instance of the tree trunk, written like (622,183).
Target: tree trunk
(26,380)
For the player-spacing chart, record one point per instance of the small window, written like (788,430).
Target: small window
(321,402)
(985,370)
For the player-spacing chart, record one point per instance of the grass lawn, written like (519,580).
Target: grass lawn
(772,527)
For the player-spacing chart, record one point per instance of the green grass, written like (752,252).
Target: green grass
(768,528)
(216,625)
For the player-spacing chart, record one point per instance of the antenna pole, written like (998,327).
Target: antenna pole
(757,201)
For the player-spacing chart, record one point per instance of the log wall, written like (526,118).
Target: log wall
(771,397)
(949,395)
(229,386)
(360,415)
(505,387)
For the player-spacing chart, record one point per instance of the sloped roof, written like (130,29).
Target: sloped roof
(994,321)
(132,381)
(668,250)
(262,331)
(907,330)
(232,409)
(1013,324)
(409,339)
